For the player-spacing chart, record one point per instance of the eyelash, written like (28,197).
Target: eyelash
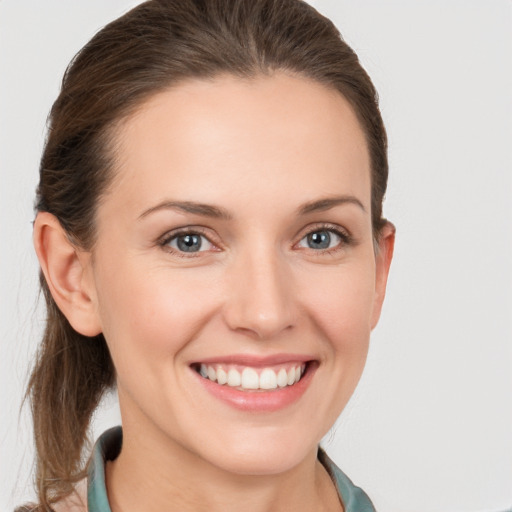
(169,237)
(345,237)
(345,240)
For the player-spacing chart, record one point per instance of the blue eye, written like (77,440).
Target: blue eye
(321,239)
(189,242)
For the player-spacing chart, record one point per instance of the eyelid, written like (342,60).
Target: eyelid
(164,240)
(343,233)
(327,226)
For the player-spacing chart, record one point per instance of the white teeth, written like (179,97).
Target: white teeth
(282,378)
(249,379)
(268,379)
(212,374)
(222,376)
(234,378)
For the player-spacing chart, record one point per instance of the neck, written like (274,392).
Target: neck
(153,473)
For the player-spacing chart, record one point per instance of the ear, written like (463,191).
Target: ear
(383,257)
(67,273)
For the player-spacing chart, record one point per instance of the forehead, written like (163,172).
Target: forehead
(233,134)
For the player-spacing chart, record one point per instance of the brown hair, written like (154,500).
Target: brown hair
(155,46)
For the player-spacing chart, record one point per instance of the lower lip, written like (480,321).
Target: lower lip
(260,401)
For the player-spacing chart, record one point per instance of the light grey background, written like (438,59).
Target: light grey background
(430,427)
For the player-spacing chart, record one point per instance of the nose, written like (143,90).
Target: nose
(260,298)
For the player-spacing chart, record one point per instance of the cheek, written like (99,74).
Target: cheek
(342,302)
(149,316)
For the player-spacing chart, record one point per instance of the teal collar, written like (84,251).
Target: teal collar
(353,498)
(109,445)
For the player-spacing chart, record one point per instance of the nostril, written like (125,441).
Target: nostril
(259,324)
(263,332)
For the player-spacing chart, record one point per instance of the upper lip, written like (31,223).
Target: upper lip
(256,361)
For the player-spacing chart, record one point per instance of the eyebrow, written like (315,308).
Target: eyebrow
(208,210)
(328,203)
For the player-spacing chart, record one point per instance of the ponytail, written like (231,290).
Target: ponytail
(66,384)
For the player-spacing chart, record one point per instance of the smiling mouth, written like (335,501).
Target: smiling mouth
(248,378)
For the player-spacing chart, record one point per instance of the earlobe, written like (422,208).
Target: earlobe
(65,269)
(386,245)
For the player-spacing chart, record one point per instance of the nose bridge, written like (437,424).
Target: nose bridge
(260,297)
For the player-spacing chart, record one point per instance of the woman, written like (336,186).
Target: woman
(211,240)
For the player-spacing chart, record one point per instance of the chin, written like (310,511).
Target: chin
(262,453)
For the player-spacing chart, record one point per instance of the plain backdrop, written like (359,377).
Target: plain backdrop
(430,426)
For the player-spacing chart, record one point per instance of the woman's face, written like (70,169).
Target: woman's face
(235,244)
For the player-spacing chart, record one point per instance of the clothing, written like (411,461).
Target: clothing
(109,444)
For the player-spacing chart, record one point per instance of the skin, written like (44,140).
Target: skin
(260,150)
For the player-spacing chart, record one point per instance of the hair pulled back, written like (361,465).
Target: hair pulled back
(154,46)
